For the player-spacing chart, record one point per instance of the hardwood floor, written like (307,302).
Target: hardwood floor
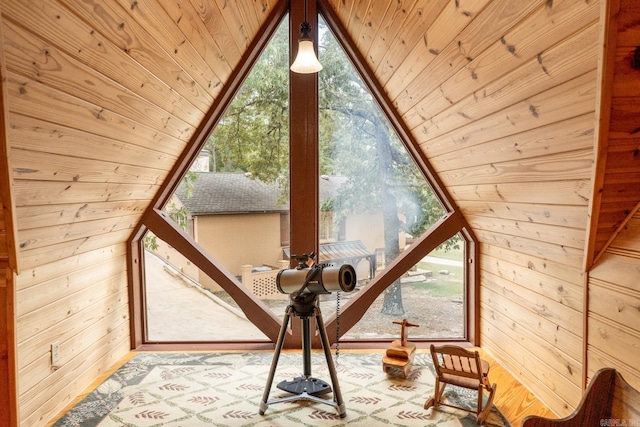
(512,398)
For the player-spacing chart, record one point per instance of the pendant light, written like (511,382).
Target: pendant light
(306,61)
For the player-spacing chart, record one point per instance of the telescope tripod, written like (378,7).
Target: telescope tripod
(304,388)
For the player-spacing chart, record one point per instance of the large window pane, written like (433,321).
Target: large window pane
(432,295)
(378,201)
(235,204)
(180,306)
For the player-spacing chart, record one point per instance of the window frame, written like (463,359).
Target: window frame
(304,204)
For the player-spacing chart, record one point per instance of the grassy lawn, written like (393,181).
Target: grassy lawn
(443,285)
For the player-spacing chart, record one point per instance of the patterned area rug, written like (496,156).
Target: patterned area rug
(225,389)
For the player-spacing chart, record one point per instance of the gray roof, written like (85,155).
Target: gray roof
(226,193)
(219,192)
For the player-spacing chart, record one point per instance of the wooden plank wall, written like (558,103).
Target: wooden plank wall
(103,97)
(505,112)
(614,291)
(618,181)
(8,266)
(614,301)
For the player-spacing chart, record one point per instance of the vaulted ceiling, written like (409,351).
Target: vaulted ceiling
(481,85)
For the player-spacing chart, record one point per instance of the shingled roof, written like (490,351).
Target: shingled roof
(227,193)
(220,192)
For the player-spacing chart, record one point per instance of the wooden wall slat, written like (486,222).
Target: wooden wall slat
(570,165)
(232,18)
(51,236)
(47,254)
(417,42)
(43,215)
(549,266)
(548,34)
(614,339)
(112,325)
(573,192)
(69,383)
(107,19)
(548,234)
(544,383)
(153,18)
(563,316)
(556,360)
(40,295)
(616,304)
(31,193)
(565,293)
(66,110)
(568,100)
(572,134)
(486,27)
(90,48)
(535,248)
(195,32)
(616,269)
(60,268)
(37,60)
(560,215)
(62,168)
(417,45)
(41,136)
(503,311)
(498,75)
(598,360)
(67,305)
(386,31)
(372,23)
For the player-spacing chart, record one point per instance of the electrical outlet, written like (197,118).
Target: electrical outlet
(55,352)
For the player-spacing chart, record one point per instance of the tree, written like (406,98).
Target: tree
(356,143)
(253,134)
(361,145)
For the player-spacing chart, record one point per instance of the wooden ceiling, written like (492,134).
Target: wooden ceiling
(121,87)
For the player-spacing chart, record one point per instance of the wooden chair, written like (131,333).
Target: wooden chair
(608,401)
(457,366)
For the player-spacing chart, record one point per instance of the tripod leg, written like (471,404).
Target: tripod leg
(342,410)
(274,361)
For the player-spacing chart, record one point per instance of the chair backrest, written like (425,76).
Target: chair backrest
(454,360)
(608,400)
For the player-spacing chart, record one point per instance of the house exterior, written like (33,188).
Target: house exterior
(240,221)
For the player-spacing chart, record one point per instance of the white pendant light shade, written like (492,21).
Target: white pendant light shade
(306,61)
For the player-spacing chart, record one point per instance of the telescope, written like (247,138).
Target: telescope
(303,284)
(318,279)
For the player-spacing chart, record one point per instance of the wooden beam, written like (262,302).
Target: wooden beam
(8,264)
(256,311)
(609,11)
(303,151)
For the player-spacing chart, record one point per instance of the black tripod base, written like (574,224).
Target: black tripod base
(300,385)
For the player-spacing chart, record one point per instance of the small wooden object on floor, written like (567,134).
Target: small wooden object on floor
(400,354)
